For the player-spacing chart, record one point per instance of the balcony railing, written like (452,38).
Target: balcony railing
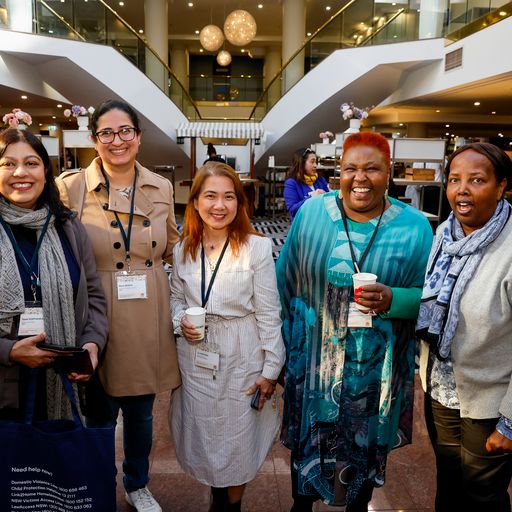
(370,22)
(96,22)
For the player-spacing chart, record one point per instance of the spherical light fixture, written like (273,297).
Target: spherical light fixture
(224,58)
(211,38)
(240,27)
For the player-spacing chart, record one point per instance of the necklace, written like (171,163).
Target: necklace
(212,264)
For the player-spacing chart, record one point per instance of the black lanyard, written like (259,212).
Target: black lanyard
(32,267)
(125,235)
(205,297)
(372,239)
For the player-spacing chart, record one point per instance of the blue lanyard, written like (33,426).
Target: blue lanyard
(32,267)
(125,235)
(206,296)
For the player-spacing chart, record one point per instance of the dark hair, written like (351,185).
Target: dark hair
(109,105)
(211,149)
(50,194)
(500,161)
(372,139)
(241,226)
(297,169)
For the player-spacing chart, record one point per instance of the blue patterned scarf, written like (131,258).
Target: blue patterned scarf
(453,261)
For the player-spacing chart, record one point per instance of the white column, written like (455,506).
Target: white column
(179,66)
(19,14)
(432,14)
(294,31)
(156,26)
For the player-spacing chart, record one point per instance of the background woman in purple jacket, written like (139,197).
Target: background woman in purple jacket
(303,181)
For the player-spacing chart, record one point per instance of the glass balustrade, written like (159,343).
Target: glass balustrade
(94,21)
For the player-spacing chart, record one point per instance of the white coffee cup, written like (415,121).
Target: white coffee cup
(197,317)
(362,279)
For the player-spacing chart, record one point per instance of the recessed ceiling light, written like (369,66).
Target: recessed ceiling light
(394,3)
(438,111)
(191,4)
(376,18)
(477,103)
(59,105)
(121,4)
(327,7)
(447,125)
(50,31)
(260,6)
(447,134)
(500,134)
(53,117)
(197,31)
(309,34)
(141,31)
(400,124)
(200,50)
(24,97)
(503,13)
(243,50)
(493,112)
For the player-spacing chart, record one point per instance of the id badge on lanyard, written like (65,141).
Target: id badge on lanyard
(131,285)
(31,322)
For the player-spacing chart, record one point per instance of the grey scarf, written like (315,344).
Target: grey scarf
(56,290)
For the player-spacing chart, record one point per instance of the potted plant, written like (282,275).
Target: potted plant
(17,119)
(81,114)
(354,114)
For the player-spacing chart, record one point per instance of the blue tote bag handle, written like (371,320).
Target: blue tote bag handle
(31,397)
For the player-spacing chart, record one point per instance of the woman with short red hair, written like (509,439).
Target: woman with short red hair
(222,431)
(349,374)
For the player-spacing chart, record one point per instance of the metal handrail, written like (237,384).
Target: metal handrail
(63,20)
(393,18)
(153,51)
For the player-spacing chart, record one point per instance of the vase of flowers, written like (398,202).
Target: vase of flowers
(325,136)
(17,119)
(354,115)
(81,114)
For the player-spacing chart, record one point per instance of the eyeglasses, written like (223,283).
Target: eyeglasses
(126,134)
(306,152)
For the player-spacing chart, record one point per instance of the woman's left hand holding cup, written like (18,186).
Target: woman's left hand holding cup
(377,297)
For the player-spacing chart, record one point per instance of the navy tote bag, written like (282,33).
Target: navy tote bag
(56,465)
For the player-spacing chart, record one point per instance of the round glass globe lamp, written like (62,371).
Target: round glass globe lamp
(211,38)
(224,58)
(240,27)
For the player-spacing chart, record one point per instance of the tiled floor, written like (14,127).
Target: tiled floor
(409,487)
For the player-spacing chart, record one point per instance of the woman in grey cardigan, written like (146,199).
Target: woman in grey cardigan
(465,321)
(49,289)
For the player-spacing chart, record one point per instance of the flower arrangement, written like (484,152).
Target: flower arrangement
(325,135)
(17,117)
(349,111)
(78,110)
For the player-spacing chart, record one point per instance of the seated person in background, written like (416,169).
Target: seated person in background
(302,180)
(212,154)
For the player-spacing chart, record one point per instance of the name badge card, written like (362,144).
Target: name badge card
(358,319)
(31,320)
(131,285)
(207,356)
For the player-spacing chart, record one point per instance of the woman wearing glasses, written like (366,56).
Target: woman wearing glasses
(302,181)
(128,212)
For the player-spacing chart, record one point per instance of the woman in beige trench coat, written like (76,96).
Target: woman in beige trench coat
(140,359)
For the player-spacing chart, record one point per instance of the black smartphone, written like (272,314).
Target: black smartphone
(255,401)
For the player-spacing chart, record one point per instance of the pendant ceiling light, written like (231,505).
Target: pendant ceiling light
(224,58)
(240,27)
(211,38)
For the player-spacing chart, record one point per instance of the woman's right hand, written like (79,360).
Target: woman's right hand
(317,192)
(25,352)
(190,332)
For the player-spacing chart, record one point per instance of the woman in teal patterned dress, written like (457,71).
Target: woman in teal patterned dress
(349,389)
